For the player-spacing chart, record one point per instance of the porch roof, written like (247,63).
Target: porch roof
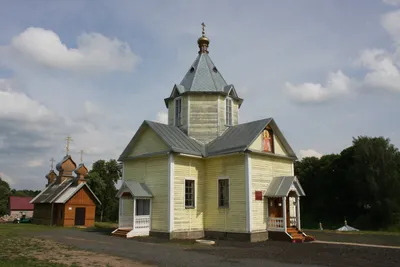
(135,188)
(281,186)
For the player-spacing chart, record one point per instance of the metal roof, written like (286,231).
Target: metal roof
(237,138)
(71,191)
(280,186)
(51,192)
(135,188)
(203,76)
(173,137)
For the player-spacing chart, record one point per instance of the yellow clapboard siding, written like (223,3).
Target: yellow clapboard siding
(263,169)
(232,219)
(148,142)
(188,219)
(154,172)
(278,147)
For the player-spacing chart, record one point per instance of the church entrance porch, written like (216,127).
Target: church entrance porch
(283,209)
(134,211)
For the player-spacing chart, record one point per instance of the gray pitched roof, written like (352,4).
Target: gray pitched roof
(280,186)
(71,191)
(50,193)
(203,76)
(177,140)
(237,138)
(136,189)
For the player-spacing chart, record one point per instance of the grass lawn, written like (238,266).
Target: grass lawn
(16,248)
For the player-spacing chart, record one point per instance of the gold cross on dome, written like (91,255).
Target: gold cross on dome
(68,139)
(203,31)
(52,163)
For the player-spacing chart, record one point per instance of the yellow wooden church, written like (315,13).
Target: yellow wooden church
(205,175)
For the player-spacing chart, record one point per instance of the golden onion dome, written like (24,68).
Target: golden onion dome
(203,41)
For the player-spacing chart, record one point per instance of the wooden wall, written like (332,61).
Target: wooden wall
(42,214)
(82,199)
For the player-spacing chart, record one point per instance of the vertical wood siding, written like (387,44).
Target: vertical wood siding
(42,214)
(148,142)
(82,199)
(263,169)
(188,219)
(185,113)
(154,172)
(232,219)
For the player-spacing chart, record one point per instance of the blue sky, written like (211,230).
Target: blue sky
(325,70)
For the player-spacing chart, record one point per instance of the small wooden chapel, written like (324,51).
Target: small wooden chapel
(67,199)
(204,174)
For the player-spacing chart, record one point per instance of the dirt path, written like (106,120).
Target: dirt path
(278,254)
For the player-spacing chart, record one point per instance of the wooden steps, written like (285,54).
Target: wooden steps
(296,235)
(121,232)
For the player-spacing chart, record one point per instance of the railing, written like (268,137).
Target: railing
(142,222)
(125,221)
(275,223)
(293,221)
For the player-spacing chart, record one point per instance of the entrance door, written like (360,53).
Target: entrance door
(80,214)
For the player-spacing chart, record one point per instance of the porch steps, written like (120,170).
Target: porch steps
(296,235)
(121,232)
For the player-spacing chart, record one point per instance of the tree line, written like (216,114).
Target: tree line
(361,185)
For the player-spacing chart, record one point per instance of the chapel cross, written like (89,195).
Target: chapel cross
(81,152)
(52,163)
(68,139)
(203,31)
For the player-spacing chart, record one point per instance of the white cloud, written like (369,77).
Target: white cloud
(309,153)
(391,23)
(94,52)
(162,117)
(35,163)
(19,107)
(383,71)
(7,178)
(337,84)
(392,2)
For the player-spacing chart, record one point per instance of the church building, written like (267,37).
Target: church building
(205,175)
(67,199)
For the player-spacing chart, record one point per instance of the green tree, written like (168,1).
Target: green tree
(102,179)
(4,194)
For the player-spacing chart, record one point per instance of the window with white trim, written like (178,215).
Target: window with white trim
(178,111)
(189,194)
(223,193)
(228,111)
(142,207)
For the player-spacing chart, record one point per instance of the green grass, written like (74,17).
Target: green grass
(27,262)
(106,225)
(355,232)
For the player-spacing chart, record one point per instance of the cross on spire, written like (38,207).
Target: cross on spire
(81,152)
(203,26)
(52,163)
(68,139)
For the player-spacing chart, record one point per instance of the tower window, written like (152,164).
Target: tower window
(178,111)
(228,111)
(191,69)
(215,70)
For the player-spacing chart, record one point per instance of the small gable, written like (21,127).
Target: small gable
(148,142)
(272,141)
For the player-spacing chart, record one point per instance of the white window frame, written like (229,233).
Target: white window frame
(194,193)
(177,121)
(229,192)
(228,121)
(135,205)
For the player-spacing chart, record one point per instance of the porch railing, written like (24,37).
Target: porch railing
(293,221)
(275,223)
(125,221)
(142,222)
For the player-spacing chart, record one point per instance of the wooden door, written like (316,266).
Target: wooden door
(80,214)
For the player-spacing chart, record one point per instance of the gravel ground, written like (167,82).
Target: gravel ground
(225,253)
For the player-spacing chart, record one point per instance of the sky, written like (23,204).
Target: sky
(326,71)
